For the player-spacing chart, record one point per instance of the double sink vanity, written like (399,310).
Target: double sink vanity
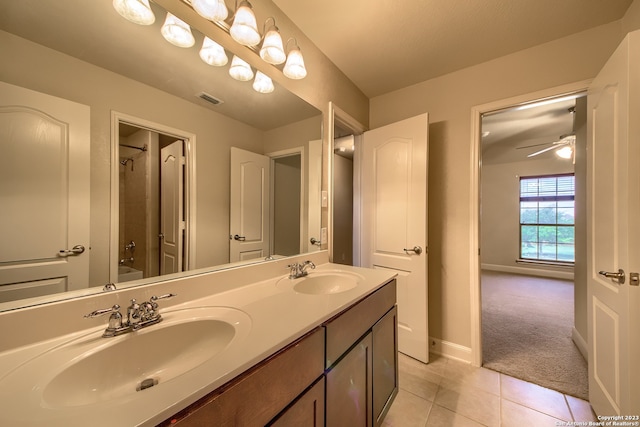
(253,345)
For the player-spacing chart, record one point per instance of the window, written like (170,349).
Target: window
(547,218)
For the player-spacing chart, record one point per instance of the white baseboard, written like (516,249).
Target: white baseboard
(580,343)
(542,272)
(450,350)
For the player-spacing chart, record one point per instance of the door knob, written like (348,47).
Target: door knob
(616,277)
(239,238)
(416,249)
(315,241)
(76,250)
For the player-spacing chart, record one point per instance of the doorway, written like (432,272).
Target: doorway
(516,146)
(152,203)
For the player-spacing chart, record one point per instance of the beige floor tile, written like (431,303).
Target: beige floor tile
(514,415)
(413,383)
(468,401)
(442,417)
(580,409)
(535,397)
(407,410)
(482,378)
(432,372)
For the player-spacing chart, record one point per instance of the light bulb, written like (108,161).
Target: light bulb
(244,29)
(177,32)
(565,152)
(262,83)
(213,10)
(212,53)
(136,11)
(240,70)
(272,50)
(294,68)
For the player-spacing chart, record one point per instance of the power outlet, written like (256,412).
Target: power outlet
(323,235)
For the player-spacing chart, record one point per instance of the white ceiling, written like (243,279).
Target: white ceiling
(386,45)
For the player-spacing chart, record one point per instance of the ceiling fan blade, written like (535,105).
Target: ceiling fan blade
(544,150)
(534,145)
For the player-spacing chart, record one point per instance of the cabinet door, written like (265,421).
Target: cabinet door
(349,399)
(385,364)
(307,411)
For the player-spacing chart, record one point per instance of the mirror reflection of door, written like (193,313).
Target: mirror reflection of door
(151,197)
(44,193)
(343,151)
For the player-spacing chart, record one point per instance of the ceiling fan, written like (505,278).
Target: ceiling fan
(564,146)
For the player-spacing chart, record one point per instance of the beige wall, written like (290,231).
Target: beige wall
(104,91)
(449,100)
(500,195)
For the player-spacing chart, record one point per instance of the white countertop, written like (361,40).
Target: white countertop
(278,316)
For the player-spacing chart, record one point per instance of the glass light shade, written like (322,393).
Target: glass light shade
(244,29)
(294,68)
(177,32)
(213,10)
(262,83)
(212,53)
(240,70)
(565,152)
(136,11)
(272,50)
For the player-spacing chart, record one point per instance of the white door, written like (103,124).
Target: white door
(613,152)
(171,208)
(394,218)
(44,194)
(249,216)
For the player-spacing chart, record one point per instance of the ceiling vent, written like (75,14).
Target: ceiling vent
(210,98)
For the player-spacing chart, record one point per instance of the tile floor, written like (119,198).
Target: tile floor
(449,393)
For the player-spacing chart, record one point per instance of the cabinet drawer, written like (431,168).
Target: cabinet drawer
(261,393)
(347,327)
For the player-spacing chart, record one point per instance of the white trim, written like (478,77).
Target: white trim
(580,343)
(189,186)
(474,200)
(541,272)
(296,151)
(450,350)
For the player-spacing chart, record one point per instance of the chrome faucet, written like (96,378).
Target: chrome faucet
(297,270)
(138,316)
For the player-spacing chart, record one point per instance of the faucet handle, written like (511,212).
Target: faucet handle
(165,296)
(103,311)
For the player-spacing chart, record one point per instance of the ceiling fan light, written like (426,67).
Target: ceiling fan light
(240,70)
(177,32)
(294,68)
(272,50)
(136,11)
(262,83)
(244,29)
(212,53)
(213,10)
(565,152)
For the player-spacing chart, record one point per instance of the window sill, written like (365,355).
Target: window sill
(567,265)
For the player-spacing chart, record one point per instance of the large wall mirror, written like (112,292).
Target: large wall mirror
(161,136)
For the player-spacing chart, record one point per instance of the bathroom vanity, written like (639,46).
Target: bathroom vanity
(230,350)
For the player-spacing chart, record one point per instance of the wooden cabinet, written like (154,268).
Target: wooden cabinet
(363,380)
(343,373)
(261,393)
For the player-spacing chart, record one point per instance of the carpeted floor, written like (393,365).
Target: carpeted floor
(526,331)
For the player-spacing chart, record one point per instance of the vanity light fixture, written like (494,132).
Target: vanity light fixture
(177,32)
(213,10)
(272,50)
(294,68)
(137,11)
(244,29)
(212,53)
(263,83)
(240,69)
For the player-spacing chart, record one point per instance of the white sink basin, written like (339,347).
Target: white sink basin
(322,282)
(92,369)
